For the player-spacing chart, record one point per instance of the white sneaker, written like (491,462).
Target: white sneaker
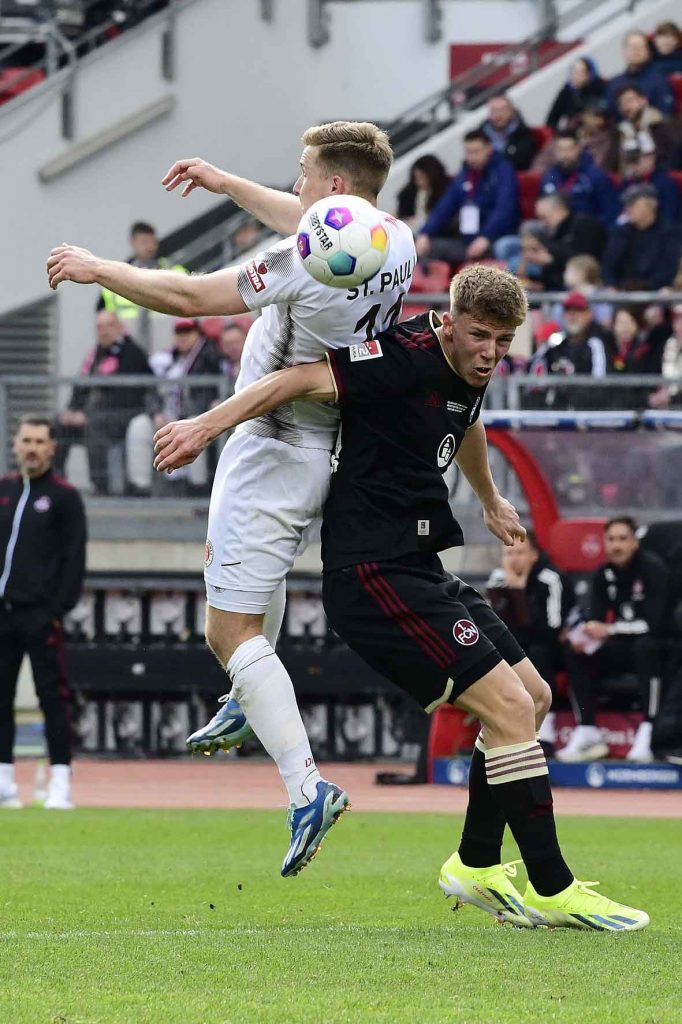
(586,744)
(640,750)
(9,798)
(547,732)
(59,789)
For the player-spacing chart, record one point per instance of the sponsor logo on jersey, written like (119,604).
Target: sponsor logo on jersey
(208,554)
(42,504)
(366,350)
(446,450)
(434,400)
(255,273)
(465,632)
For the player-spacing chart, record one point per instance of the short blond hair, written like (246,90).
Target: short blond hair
(357,149)
(587,266)
(488,294)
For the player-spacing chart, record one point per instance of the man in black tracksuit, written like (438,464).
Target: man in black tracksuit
(628,601)
(533,600)
(42,564)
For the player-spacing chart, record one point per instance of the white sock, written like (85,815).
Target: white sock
(262,686)
(60,775)
(6,775)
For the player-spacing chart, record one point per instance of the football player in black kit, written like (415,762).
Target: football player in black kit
(410,402)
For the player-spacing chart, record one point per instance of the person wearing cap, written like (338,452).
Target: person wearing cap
(192,355)
(643,168)
(643,252)
(582,348)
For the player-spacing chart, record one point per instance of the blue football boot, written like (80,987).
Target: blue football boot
(309,825)
(228,728)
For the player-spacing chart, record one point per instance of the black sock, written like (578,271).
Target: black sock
(519,781)
(481,843)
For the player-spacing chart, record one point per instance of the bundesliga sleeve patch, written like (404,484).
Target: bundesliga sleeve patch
(367,350)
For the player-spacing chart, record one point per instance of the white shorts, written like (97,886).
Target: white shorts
(266,504)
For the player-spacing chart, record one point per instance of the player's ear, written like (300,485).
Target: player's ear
(338,185)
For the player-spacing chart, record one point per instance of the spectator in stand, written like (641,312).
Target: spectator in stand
(641,72)
(582,349)
(642,167)
(641,127)
(192,355)
(582,274)
(628,601)
(598,136)
(247,236)
(137,320)
(428,181)
(583,88)
(533,601)
(668,49)
(643,252)
(508,132)
(98,417)
(669,394)
(636,349)
(550,241)
(231,346)
(575,175)
(484,196)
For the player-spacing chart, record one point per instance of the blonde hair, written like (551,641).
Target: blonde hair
(587,266)
(488,294)
(357,149)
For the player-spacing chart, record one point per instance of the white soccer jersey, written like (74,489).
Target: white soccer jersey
(302,319)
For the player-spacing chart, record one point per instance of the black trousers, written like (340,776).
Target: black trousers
(619,655)
(31,631)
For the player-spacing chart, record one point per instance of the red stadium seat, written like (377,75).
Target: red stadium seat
(677,176)
(17,80)
(451,731)
(542,134)
(675,82)
(577,545)
(529,188)
(432,276)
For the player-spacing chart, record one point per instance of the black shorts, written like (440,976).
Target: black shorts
(418,625)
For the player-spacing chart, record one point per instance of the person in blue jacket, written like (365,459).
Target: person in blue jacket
(643,169)
(480,205)
(640,70)
(576,175)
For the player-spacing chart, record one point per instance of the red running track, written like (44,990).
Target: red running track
(222,783)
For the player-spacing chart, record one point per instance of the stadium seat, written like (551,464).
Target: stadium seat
(577,545)
(432,276)
(542,134)
(529,189)
(451,731)
(14,81)
(675,82)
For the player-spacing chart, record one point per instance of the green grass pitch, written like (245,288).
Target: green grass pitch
(180,917)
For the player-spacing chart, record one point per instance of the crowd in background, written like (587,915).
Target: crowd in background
(591,201)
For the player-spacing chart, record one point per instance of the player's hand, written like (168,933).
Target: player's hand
(70,263)
(179,443)
(503,521)
(195,173)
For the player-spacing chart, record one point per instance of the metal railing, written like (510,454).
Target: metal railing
(120,414)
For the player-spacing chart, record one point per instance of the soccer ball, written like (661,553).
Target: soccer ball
(342,241)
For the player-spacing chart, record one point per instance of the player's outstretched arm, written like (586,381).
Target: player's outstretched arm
(499,515)
(179,443)
(165,291)
(279,211)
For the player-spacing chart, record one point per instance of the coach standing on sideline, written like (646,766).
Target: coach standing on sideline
(42,564)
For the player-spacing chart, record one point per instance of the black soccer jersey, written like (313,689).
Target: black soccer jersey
(404,413)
